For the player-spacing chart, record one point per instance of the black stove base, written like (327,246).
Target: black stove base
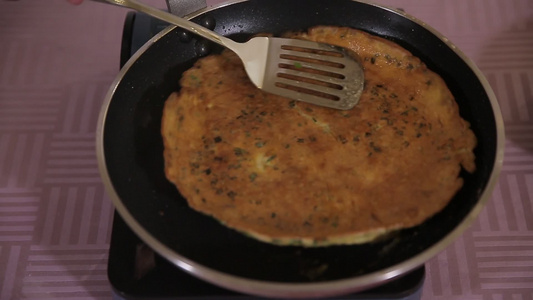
(136,272)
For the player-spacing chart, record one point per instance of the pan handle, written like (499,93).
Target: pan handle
(182,8)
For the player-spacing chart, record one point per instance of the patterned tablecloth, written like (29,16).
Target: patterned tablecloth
(56,64)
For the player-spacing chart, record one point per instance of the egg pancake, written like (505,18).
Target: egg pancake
(291,173)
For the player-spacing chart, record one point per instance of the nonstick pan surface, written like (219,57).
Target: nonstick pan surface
(130,151)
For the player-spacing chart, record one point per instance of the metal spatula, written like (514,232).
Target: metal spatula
(307,71)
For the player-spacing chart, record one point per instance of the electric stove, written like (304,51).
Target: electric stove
(137,272)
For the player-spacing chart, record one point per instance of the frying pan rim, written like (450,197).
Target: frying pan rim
(312,289)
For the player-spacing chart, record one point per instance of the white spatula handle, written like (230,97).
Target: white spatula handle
(173,19)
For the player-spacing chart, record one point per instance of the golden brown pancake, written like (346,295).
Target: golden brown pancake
(291,173)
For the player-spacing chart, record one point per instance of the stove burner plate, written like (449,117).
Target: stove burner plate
(137,272)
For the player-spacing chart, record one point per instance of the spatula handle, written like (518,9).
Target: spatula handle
(172,19)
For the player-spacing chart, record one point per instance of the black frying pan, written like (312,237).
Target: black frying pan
(131,161)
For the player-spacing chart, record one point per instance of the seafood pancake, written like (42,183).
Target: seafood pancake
(291,173)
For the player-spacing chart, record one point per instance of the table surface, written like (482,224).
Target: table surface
(56,64)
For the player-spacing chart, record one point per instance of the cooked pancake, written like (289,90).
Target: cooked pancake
(291,173)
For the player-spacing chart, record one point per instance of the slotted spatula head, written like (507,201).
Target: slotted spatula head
(307,71)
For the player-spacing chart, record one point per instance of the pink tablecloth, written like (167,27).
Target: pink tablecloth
(56,64)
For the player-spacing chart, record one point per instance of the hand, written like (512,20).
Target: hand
(75,2)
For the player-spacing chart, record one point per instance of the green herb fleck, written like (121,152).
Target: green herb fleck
(342,139)
(374,147)
(239,151)
(232,195)
(406,112)
(271,158)
(235,166)
(298,65)
(389,121)
(252,177)
(292,103)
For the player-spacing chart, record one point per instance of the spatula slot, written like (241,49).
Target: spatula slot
(303,90)
(313,60)
(312,50)
(310,81)
(299,67)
